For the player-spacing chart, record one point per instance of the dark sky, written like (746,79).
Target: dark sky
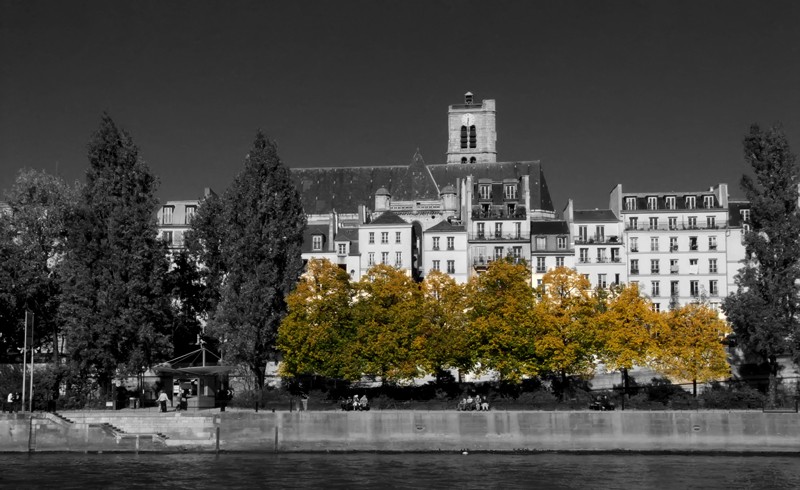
(655,95)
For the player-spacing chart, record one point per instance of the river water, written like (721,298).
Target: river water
(390,471)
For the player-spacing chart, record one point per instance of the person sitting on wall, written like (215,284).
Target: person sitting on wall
(356,405)
(363,403)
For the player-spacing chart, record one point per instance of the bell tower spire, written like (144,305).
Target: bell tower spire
(472,131)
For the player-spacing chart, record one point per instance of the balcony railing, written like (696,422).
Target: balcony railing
(676,227)
(498,212)
(493,237)
(483,261)
(597,239)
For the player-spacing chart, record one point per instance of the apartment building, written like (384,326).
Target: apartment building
(600,255)
(551,247)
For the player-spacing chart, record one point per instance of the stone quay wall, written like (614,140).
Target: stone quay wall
(668,431)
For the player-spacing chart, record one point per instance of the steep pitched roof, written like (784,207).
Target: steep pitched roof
(549,228)
(388,218)
(446,227)
(594,215)
(345,188)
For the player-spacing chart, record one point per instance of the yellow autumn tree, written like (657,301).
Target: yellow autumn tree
(440,341)
(566,336)
(315,335)
(501,322)
(387,315)
(688,345)
(626,329)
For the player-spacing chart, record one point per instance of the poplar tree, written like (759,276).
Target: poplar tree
(253,243)
(115,309)
(763,310)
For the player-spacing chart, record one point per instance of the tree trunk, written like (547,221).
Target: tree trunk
(258,372)
(772,390)
(694,388)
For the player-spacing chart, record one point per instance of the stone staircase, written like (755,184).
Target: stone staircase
(173,428)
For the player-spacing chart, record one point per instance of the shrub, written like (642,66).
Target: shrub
(734,396)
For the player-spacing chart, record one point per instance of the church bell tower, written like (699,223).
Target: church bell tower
(472,132)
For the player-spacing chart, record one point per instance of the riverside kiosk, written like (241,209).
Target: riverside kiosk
(204,381)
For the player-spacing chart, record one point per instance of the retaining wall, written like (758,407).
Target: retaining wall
(682,431)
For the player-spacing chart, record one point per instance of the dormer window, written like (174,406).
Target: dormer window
(691,202)
(166,215)
(485,191)
(630,203)
(316,243)
(652,203)
(708,202)
(510,191)
(190,211)
(342,249)
(669,201)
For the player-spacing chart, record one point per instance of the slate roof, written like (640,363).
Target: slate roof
(549,228)
(388,218)
(594,215)
(446,227)
(735,212)
(345,234)
(312,230)
(345,188)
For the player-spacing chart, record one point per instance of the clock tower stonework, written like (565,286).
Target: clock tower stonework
(472,133)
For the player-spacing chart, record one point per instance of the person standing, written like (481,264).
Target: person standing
(162,401)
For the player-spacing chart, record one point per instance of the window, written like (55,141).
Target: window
(463,159)
(464,140)
(601,281)
(436,243)
(673,222)
(451,243)
(653,223)
(708,202)
(342,249)
(694,288)
(712,287)
(372,237)
(541,243)
(559,261)
(398,259)
(712,266)
(692,243)
(615,255)
(601,255)
(653,266)
(384,257)
(584,255)
(397,237)
(633,222)
(630,203)
(655,289)
(451,266)
(561,242)
(485,191)
(481,232)
(745,214)
(673,266)
(510,191)
(745,229)
(498,253)
(600,233)
(670,202)
(691,202)
(634,241)
(190,211)
(498,230)
(634,266)
(435,265)
(654,244)
(692,222)
(316,242)
(371,260)
(472,159)
(656,307)
(540,267)
(384,237)
(166,215)
(517,230)
(693,267)
(711,222)
(473,137)
(674,288)
(583,233)
(673,244)
(712,242)
(652,203)
(166,237)
(516,252)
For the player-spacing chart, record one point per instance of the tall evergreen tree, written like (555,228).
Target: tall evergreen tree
(252,246)
(32,239)
(764,309)
(115,308)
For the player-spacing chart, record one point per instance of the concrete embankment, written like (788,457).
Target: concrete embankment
(682,431)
